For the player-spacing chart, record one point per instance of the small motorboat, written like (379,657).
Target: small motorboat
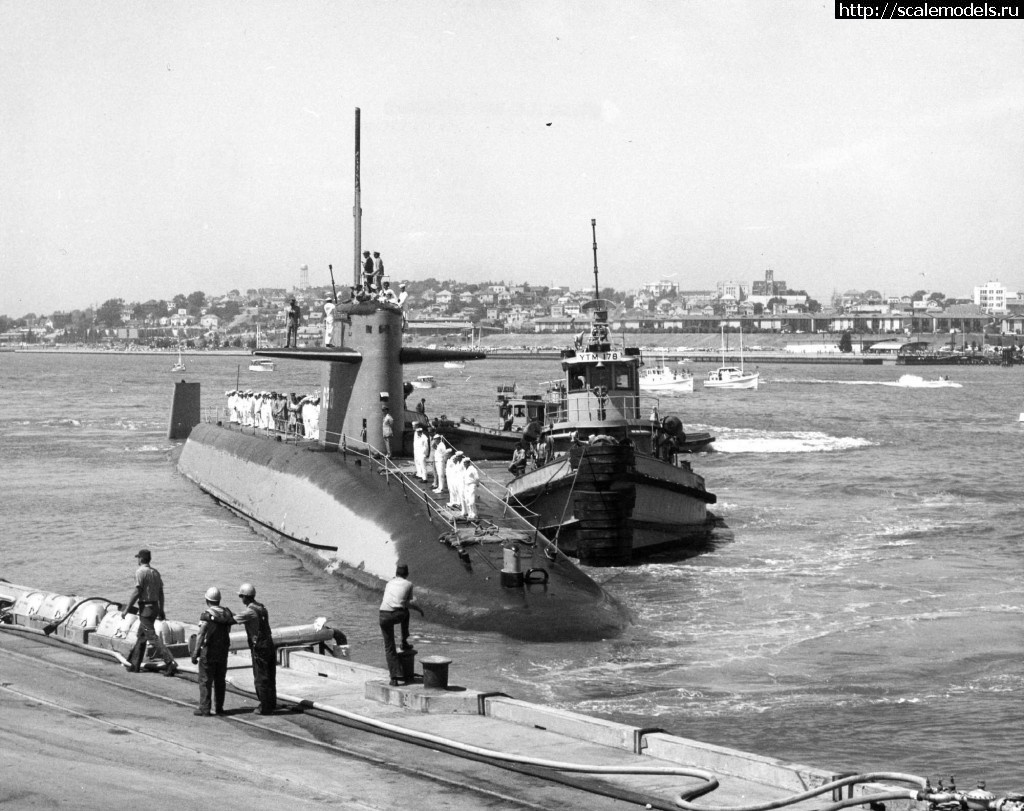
(454,364)
(424,382)
(664,378)
(261,366)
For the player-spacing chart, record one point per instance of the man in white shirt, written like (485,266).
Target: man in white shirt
(394,610)
(328,321)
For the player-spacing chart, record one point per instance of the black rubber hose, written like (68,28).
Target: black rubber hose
(53,626)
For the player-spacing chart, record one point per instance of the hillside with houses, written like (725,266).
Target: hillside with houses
(460,313)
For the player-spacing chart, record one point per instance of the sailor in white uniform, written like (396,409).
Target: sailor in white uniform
(470,480)
(441,453)
(420,451)
(453,470)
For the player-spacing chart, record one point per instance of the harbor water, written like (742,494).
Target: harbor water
(863,610)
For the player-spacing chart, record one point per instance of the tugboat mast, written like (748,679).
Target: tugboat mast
(357,214)
(593,229)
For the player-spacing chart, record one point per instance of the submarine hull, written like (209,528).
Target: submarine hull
(349,515)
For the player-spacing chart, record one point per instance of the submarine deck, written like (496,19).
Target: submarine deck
(81,732)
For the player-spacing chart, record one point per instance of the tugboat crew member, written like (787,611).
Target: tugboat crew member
(394,610)
(518,465)
(256,620)
(149,593)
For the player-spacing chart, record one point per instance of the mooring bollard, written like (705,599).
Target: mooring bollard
(435,672)
(407,658)
(511,570)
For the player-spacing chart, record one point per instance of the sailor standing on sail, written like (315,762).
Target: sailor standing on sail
(367,272)
(378,270)
(294,314)
(328,320)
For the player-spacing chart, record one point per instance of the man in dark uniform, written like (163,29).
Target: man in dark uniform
(294,314)
(211,653)
(149,593)
(368,277)
(256,620)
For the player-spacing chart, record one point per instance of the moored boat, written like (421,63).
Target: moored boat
(731,377)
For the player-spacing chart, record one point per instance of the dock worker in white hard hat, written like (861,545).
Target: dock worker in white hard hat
(256,620)
(211,653)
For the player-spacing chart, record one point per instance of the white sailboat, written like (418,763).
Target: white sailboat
(729,377)
(180,365)
(260,364)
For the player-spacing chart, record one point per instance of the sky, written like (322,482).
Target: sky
(149,149)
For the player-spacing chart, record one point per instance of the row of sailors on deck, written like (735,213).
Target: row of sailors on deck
(453,471)
(272,411)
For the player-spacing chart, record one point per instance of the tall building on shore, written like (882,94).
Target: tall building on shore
(769,287)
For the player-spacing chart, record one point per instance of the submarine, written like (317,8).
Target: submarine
(344,506)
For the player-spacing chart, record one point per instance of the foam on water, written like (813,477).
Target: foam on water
(752,440)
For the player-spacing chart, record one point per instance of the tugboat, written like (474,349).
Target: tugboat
(346,505)
(613,486)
